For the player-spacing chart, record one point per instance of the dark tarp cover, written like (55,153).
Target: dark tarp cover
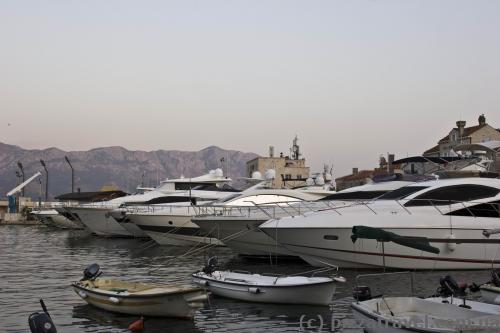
(419,243)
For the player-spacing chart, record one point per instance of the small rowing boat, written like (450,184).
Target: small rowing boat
(135,298)
(446,312)
(490,291)
(242,285)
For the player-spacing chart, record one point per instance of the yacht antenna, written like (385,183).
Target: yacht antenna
(295,150)
(190,198)
(222,159)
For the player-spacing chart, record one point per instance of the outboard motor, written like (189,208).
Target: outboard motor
(449,287)
(41,322)
(92,272)
(362,293)
(495,277)
(212,265)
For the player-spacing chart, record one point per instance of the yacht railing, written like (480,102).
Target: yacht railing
(272,210)
(295,208)
(102,205)
(287,209)
(167,209)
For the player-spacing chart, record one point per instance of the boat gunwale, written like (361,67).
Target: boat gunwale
(489,287)
(387,322)
(332,281)
(98,291)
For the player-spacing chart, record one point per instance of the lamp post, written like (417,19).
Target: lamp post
(20,166)
(46,180)
(72,174)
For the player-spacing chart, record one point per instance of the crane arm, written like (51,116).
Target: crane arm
(19,187)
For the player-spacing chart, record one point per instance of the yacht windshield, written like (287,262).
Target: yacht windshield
(228,198)
(241,184)
(452,194)
(355,195)
(401,193)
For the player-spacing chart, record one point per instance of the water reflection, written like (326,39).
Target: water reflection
(39,262)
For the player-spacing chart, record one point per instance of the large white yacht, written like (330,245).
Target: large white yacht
(237,219)
(168,220)
(97,216)
(450,214)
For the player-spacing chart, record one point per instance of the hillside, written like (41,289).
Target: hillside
(113,166)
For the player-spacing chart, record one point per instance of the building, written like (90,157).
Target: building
(362,177)
(482,132)
(290,171)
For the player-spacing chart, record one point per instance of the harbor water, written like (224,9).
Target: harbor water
(39,262)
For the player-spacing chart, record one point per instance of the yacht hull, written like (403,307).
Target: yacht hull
(242,235)
(175,230)
(120,216)
(323,247)
(100,222)
(52,218)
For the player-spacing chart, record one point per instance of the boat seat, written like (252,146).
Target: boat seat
(118,290)
(235,280)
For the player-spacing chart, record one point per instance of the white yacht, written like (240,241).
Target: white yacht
(97,216)
(169,222)
(171,192)
(237,219)
(451,214)
(52,218)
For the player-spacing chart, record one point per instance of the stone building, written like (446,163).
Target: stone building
(362,177)
(290,171)
(482,132)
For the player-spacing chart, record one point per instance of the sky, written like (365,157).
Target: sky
(353,79)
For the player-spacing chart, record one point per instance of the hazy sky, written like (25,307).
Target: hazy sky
(354,79)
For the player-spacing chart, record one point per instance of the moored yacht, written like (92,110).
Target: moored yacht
(451,213)
(169,222)
(97,216)
(237,218)
(52,218)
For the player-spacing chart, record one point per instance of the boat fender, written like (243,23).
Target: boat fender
(196,305)
(340,279)
(206,283)
(197,298)
(82,294)
(137,326)
(254,290)
(114,300)
(451,246)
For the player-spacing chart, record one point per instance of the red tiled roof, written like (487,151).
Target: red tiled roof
(362,174)
(467,132)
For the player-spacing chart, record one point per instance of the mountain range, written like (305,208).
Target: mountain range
(114,166)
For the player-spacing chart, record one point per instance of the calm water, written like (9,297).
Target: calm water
(38,262)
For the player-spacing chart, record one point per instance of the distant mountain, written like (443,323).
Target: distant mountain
(113,166)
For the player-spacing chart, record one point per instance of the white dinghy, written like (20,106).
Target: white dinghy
(442,314)
(490,291)
(249,287)
(179,301)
